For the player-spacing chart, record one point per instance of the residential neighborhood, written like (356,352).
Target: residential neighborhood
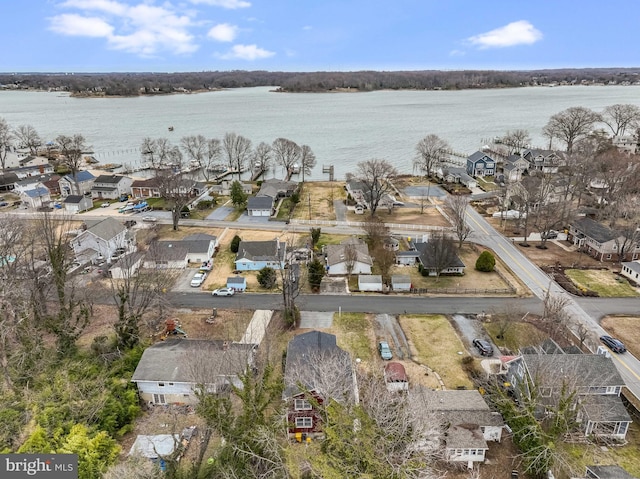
(198,292)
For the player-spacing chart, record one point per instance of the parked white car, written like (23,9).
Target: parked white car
(198,279)
(223,292)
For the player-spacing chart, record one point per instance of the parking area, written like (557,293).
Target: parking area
(470,328)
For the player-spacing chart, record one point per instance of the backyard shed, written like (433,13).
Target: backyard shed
(370,282)
(401,282)
(237,283)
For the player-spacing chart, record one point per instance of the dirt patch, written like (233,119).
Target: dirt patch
(558,274)
(316,200)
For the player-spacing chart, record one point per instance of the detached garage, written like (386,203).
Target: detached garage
(260,206)
(370,282)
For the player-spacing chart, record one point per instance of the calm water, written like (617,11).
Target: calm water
(341,128)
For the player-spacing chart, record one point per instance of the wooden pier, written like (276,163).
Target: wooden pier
(329,170)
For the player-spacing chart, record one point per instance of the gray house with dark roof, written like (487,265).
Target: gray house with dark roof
(171,371)
(80,185)
(480,164)
(592,378)
(601,242)
(316,370)
(255,255)
(349,257)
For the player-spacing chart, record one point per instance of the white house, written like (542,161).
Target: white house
(260,206)
(170,371)
(470,424)
(77,203)
(100,240)
(111,187)
(200,247)
(127,266)
(349,257)
(166,254)
(631,270)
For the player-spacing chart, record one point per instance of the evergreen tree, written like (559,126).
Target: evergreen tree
(485,262)
(238,197)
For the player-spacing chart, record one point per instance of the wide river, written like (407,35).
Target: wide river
(341,128)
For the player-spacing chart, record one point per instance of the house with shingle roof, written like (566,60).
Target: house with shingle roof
(100,240)
(166,255)
(255,255)
(470,423)
(600,241)
(513,167)
(349,257)
(305,381)
(480,164)
(457,175)
(593,379)
(426,259)
(546,161)
(111,187)
(171,371)
(80,185)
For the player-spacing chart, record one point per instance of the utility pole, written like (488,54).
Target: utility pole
(309,206)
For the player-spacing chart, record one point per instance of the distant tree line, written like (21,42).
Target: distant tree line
(133,84)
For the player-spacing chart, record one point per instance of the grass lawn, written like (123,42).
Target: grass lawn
(353,333)
(435,344)
(603,282)
(516,335)
(624,327)
(486,185)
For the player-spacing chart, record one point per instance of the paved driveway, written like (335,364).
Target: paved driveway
(220,213)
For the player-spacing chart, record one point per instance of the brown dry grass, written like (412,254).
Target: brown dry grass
(627,328)
(320,195)
(441,355)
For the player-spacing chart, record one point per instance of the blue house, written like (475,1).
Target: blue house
(255,255)
(481,164)
(237,283)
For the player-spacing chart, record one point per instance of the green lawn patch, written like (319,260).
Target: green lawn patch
(603,282)
(515,334)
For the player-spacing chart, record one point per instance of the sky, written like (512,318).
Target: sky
(316,35)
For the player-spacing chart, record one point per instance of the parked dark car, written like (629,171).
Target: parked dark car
(614,344)
(551,234)
(484,347)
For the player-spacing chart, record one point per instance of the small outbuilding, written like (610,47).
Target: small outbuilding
(395,377)
(77,203)
(401,282)
(370,282)
(237,283)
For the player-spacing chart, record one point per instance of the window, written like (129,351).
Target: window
(304,422)
(170,384)
(160,385)
(302,405)
(159,399)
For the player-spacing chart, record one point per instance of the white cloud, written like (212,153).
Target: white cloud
(230,4)
(247,52)
(143,29)
(77,25)
(457,53)
(515,33)
(223,32)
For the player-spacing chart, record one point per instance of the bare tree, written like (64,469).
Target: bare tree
(157,153)
(135,293)
(6,142)
(384,259)
(307,160)
(72,149)
(570,125)
(442,252)
(212,157)
(377,178)
(262,156)
(286,153)
(431,152)
(516,140)
(619,117)
(28,137)
(72,310)
(237,149)
(195,148)
(376,231)
(458,207)
(350,258)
